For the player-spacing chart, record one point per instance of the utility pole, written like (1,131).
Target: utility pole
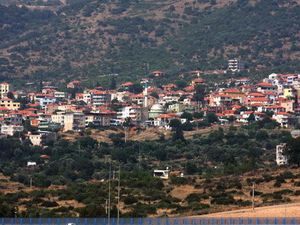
(253,195)
(16,211)
(126,133)
(139,159)
(109,194)
(30,182)
(106,207)
(285,210)
(119,190)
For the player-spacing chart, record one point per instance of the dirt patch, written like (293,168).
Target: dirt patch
(181,192)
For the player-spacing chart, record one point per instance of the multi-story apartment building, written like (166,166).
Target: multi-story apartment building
(44,100)
(9,104)
(11,129)
(135,113)
(281,159)
(40,138)
(235,66)
(4,89)
(69,121)
(99,98)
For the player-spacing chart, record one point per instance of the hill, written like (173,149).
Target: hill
(89,38)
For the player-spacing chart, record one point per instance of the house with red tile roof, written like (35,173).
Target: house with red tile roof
(197,81)
(169,87)
(73,84)
(265,87)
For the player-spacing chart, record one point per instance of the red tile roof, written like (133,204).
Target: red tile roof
(168,116)
(232,90)
(157,72)
(3,108)
(127,84)
(256,94)
(264,84)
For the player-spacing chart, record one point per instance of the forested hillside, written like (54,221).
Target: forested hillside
(90,38)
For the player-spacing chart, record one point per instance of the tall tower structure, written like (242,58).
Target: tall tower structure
(146,95)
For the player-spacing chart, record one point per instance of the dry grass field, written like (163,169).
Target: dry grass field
(285,210)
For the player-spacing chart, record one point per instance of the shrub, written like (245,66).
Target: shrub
(199,206)
(297,193)
(256,193)
(129,200)
(49,204)
(287,175)
(284,192)
(267,177)
(223,199)
(179,180)
(297,184)
(194,197)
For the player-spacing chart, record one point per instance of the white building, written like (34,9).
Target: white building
(45,100)
(295,133)
(11,129)
(4,89)
(234,65)
(31,163)
(163,174)
(60,94)
(282,118)
(135,113)
(41,138)
(281,159)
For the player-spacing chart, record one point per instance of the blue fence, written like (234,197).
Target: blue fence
(150,221)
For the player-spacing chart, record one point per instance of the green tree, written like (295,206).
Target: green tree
(212,118)
(198,115)
(251,118)
(127,122)
(11,95)
(187,115)
(92,210)
(293,151)
(178,131)
(136,88)
(191,168)
(154,94)
(181,84)
(200,92)
(113,84)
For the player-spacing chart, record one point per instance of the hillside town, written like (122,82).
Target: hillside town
(42,114)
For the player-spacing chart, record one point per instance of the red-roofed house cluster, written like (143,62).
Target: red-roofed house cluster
(42,114)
